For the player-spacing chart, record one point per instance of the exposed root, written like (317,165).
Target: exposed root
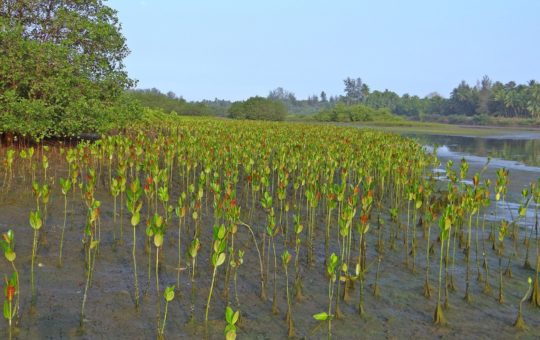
(520,323)
(376,291)
(535,295)
(427,289)
(438,316)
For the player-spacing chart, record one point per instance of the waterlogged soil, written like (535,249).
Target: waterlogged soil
(401,311)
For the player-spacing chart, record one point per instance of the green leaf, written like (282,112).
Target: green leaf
(158,239)
(35,220)
(135,219)
(321,316)
(237,315)
(10,256)
(522,211)
(169,293)
(220,259)
(229,315)
(7,315)
(230,335)
(221,232)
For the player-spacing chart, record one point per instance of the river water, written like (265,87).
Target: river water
(519,153)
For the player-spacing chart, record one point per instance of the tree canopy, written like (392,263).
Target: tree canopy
(169,102)
(258,108)
(61,68)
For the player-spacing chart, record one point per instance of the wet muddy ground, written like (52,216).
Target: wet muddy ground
(401,311)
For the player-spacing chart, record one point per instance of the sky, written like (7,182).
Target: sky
(236,49)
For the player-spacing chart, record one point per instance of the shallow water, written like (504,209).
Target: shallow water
(519,153)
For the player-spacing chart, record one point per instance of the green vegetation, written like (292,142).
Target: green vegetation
(61,69)
(258,108)
(364,197)
(356,113)
(367,196)
(169,103)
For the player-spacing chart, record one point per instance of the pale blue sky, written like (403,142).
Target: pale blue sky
(240,48)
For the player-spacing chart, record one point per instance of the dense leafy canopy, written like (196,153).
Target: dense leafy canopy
(61,70)
(258,108)
(355,113)
(169,103)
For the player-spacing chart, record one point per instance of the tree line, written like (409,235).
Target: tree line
(62,74)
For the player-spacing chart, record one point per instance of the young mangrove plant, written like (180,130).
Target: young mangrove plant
(8,167)
(520,323)
(134,206)
(35,222)
(236,262)
(285,259)
(298,227)
(157,227)
(218,258)
(8,246)
(503,230)
(193,252)
(180,211)
(115,191)
(90,243)
(331,266)
(10,307)
(232,318)
(65,185)
(168,295)
(445,226)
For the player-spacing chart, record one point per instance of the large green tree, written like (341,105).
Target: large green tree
(61,68)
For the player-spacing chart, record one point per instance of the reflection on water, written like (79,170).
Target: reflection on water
(521,156)
(526,151)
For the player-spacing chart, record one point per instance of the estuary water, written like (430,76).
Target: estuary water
(517,152)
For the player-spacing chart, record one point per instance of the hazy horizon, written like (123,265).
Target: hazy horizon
(235,50)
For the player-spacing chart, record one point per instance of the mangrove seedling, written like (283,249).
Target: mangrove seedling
(285,259)
(8,245)
(180,211)
(35,222)
(218,258)
(65,184)
(10,289)
(91,244)
(331,266)
(520,323)
(231,317)
(193,251)
(298,227)
(169,296)
(235,263)
(445,225)
(115,191)
(158,231)
(134,206)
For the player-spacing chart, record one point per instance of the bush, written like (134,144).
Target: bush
(356,113)
(258,108)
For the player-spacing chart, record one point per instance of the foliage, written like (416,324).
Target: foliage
(169,103)
(355,113)
(258,108)
(61,70)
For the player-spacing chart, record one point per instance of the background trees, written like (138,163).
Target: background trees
(169,103)
(258,108)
